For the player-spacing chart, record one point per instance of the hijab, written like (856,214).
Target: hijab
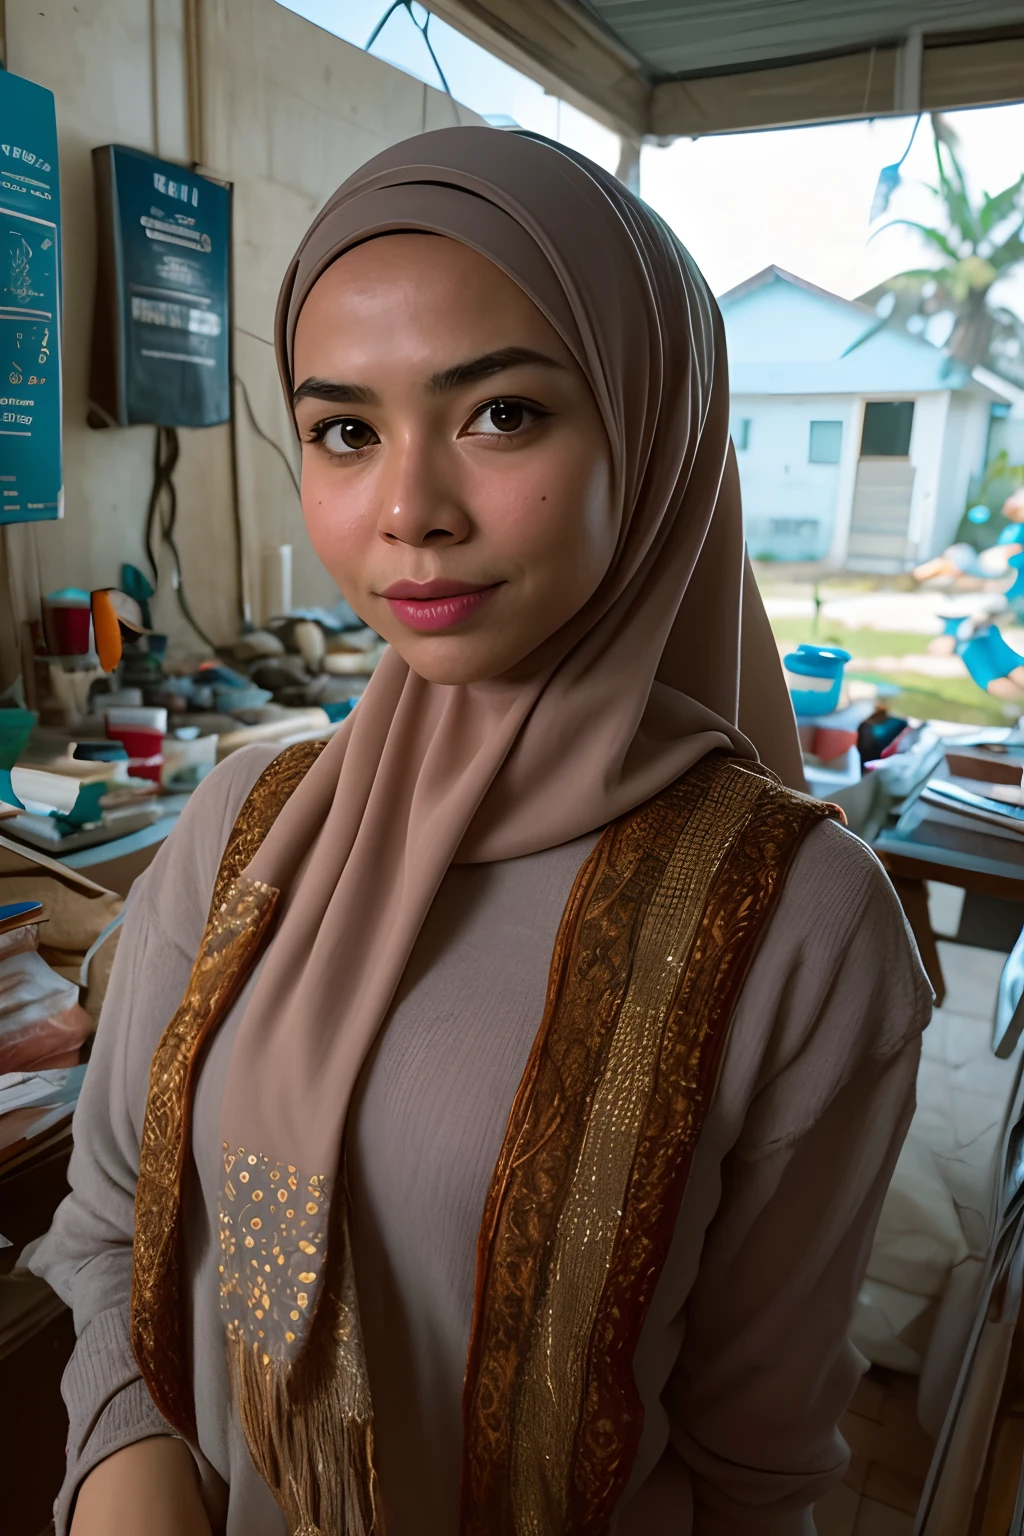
(671,658)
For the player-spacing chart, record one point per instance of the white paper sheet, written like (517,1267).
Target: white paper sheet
(60,1086)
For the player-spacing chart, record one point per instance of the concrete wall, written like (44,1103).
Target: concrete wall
(789,504)
(927,443)
(255,94)
(963,460)
(780,487)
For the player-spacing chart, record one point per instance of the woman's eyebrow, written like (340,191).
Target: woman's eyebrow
(455,377)
(483,367)
(336,393)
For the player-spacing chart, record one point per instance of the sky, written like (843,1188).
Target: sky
(798,198)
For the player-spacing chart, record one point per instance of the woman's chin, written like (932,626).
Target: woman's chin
(453,661)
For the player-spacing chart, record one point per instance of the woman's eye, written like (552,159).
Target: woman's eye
(347,435)
(502,418)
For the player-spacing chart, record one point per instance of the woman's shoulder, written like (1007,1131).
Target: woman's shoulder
(835,885)
(840,919)
(178,885)
(836,990)
(839,963)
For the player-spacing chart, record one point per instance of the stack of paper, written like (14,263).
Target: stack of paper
(993,813)
(33,1102)
(70,804)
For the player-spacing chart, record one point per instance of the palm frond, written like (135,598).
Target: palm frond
(953,191)
(933,236)
(999,206)
(1009,253)
(977,241)
(872,330)
(917,276)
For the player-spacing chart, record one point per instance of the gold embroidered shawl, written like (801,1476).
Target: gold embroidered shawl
(652,952)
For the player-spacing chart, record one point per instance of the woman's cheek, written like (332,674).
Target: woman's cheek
(560,512)
(337,520)
(522,514)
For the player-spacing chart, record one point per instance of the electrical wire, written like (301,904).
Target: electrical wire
(161,516)
(266,435)
(424,31)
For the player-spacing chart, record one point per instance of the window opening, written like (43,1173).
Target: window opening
(826,441)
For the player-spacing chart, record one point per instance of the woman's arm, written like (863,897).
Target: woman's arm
(151,1486)
(766,1369)
(837,1001)
(87,1254)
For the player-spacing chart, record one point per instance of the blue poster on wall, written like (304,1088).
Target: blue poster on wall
(30,397)
(160,336)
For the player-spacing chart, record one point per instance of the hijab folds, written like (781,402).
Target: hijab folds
(671,658)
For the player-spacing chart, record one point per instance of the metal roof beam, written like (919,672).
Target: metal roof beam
(560,44)
(929,74)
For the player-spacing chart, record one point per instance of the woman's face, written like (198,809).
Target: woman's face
(456,475)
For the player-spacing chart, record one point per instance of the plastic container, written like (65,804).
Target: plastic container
(66,622)
(144,746)
(814,674)
(41,1021)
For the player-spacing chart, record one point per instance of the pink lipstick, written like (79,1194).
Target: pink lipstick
(435,605)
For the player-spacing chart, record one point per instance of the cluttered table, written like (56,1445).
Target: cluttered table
(86,801)
(937,801)
(963,825)
(97,765)
(98,757)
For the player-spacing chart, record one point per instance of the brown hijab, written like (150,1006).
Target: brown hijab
(670,658)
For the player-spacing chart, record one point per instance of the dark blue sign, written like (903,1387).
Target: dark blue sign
(166,234)
(31,478)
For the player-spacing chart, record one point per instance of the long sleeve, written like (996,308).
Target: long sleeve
(765,1369)
(87,1254)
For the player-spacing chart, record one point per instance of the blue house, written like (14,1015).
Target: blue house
(853,447)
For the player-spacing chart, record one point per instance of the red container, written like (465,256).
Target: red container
(830,743)
(66,626)
(144,746)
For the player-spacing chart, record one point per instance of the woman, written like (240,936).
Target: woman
(542,1063)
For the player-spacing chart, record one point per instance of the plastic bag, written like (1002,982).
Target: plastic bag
(41,1021)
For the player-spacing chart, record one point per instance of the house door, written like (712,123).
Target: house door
(880,519)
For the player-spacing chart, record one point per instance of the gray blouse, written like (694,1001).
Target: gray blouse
(743,1365)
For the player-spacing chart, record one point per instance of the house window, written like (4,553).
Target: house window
(826,441)
(741,433)
(887,425)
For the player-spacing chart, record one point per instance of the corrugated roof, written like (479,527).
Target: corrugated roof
(671,67)
(673,38)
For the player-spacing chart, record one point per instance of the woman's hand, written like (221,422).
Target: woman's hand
(151,1486)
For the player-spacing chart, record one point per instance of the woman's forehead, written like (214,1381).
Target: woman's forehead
(419,296)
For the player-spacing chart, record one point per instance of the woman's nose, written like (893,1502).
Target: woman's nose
(420,504)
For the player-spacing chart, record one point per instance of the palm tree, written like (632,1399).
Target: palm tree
(977,243)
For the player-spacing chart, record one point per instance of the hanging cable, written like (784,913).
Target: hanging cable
(423,29)
(889,177)
(161,516)
(266,435)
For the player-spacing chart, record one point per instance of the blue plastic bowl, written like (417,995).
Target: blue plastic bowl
(815,677)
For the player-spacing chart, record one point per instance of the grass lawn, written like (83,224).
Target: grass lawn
(918,694)
(859,642)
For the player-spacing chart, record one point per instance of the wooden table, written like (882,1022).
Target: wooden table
(117,864)
(988,866)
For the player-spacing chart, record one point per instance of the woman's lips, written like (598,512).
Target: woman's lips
(435,605)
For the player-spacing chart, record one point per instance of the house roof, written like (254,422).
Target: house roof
(788,337)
